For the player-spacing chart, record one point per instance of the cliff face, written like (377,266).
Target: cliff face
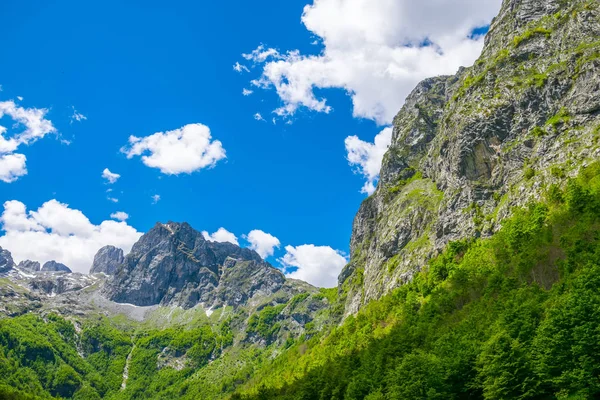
(467,148)
(174,265)
(107,260)
(6,261)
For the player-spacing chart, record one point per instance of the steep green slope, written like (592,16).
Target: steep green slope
(513,316)
(175,353)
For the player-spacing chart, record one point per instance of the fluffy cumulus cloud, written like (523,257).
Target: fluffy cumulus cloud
(120,216)
(263,243)
(221,235)
(183,150)
(367,157)
(375,50)
(12,167)
(57,232)
(29,125)
(317,265)
(110,177)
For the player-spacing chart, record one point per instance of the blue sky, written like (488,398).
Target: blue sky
(142,67)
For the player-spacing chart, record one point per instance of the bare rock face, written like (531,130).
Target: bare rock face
(173,264)
(107,260)
(6,261)
(53,266)
(241,280)
(467,148)
(29,266)
(55,284)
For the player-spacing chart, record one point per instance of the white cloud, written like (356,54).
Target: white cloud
(374,50)
(247,92)
(77,116)
(240,68)
(317,265)
(368,156)
(263,243)
(120,216)
(12,166)
(32,119)
(110,177)
(20,98)
(112,199)
(57,232)
(155,198)
(258,117)
(183,150)
(261,54)
(221,235)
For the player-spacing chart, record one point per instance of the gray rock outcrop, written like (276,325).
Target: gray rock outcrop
(53,266)
(175,264)
(6,261)
(29,266)
(107,260)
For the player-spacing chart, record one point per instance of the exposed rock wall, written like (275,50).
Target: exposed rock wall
(107,260)
(173,264)
(469,147)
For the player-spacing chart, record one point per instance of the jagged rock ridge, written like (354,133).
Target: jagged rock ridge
(29,266)
(173,264)
(467,148)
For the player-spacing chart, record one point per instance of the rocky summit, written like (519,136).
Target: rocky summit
(53,266)
(6,261)
(107,260)
(29,266)
(173,264)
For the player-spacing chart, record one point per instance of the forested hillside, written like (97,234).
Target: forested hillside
(513,316)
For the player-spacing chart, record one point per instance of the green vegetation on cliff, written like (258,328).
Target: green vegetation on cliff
(513,316)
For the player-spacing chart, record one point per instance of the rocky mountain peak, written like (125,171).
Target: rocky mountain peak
(174,264)
(29,266)
(107,260)
(6,261)
(53,266)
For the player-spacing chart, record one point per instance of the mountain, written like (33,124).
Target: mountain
(468,148)
(173,264)
(29,266)
(6,261)
(474,269)
(53,266)
(107,260)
